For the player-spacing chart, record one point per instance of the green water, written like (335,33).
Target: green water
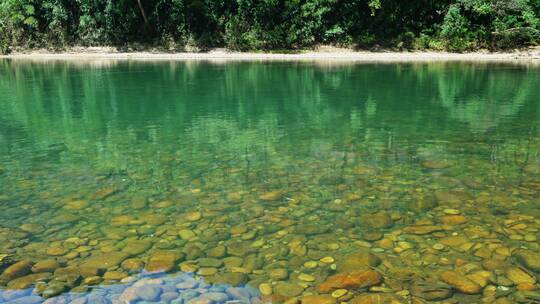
(262,166)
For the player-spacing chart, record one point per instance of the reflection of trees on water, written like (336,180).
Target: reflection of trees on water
(485,98)
(259,109)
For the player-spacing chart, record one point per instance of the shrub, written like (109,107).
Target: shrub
(455,30)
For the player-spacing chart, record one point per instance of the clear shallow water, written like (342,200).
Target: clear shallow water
(273,174)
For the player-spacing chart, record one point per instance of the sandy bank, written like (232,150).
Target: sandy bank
(321,54)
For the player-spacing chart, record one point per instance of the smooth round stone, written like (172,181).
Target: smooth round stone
(249,236)
(163,204)
(338,293)
(240,249)
(193,216)
(253,262)
(165,244)
(405,245)
(187,234)
(138,203)
(169,296)
(233,261)
(83,249)
(210,262)
(333,246)
(187,285)
(129,295)
(215,296)
(148,281)
(239,293)
(53,290)
(56,251)
(114,275)
(32,228)
(279,274)
(74,242)
(207,271)
(232,278)
(137,247)
(46,266)
(148,292)
(271,195)
(451,211)
(84,271)
(258,243)
(288,290)
(218,251)
(373,236)
(93,280)
(327,260)
(188,267)
(193,252)
(72,255)
(306,277)
(132,264)
(155,219)
(438,246)
(106,260)
(379,220)
(240,270)
(265,289)
(168,288)
(530,238)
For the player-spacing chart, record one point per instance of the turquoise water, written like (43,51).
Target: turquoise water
(275,176)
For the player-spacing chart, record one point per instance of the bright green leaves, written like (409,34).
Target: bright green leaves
(490,23)
(374,5)
(456,29)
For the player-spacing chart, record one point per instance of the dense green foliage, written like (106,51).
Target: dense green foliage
(456,25)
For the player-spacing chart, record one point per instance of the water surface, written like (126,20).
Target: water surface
(272,176)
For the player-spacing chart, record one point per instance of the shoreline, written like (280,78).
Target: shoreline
(322,54)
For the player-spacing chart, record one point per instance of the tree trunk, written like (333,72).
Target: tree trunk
(142,11)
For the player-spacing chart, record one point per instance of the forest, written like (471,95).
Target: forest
(247,25)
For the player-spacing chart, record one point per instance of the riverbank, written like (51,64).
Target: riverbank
(323,54)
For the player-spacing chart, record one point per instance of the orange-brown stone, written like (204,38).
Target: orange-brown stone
(376,299)
(318,299)
(355,279)
(454,219)
(460,282)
